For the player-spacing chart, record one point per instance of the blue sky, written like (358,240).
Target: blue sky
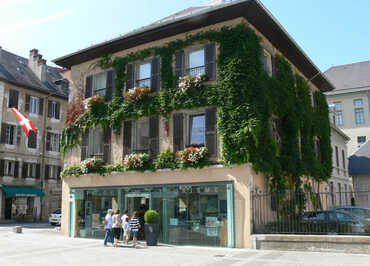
(331,32)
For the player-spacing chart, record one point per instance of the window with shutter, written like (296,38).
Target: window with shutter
(144,75)
(32,140)
(3,132)
(107,145)
(210,61)
(41,106)
(53,109)
(19,133)
(47,172)
(109,85)
(266,61)
(154,137)
(95,143)
(127,133)
(24,170)
(88,86)
(178,132)
(2,167)
(142,137)
(27,104)
(37,175)
(156,74)
(13,98)
(50,109)
(100,84)
(16,169)
(197,130)
(10,132)
(130,77)
(48,141)
(84,144)
(179,65)
(211,131)
(57,110)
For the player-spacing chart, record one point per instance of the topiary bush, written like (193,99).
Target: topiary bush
(151,217)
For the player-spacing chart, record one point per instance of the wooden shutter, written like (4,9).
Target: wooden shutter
(32,140)
(179,65)
(210,60)
(27,105)
(50,107)
(48,141)
(3,132)
(13,98)
(130,77)
(57,110)
(84,144)
(38,171)
(211,131)
(156,74)
(41,105)
(109,85)
(273,65)
(88,86)
(16,169)
(59,171)
(47,176)
(19,132)
(107,145)
(127,133)
(178,132)
(24,169)
(154,137)
(2,166)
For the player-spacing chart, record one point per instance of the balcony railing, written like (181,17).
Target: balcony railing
(201,70)
(143,82)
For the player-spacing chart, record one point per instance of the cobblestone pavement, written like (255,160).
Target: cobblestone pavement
(45,246)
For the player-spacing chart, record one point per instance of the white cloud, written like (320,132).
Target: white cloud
(34,22)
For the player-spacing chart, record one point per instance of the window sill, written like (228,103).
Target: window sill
(52,181)
(33,150)
(8,179)
(54,120)
(33,115)
(10,146)
(54,153)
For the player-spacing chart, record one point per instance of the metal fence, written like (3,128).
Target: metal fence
(311,213)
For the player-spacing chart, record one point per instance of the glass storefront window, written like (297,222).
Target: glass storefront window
(200,214)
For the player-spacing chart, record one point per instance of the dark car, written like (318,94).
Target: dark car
(361,212)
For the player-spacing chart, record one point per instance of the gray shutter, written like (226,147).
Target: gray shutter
(107,145)
(3,132)
(24,169)
(210,60)
(47,172)
(41,106)
(179,65)
(211,131)
(127,133)
(130,77)
(178,132)
(48,141)
(19,132)
(13,98)
(57,110)
(38,172)
(109,85)
(16,169)
(50,107)
(88,87)
(59,171)
(27,105)
(156,74)
(154,137)
(273,65)
(84,144)
(2,166)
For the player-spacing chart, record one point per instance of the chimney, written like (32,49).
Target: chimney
(37,64)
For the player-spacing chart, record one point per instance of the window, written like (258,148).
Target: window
(13,98)
(196,63)
(267,62)
(197,130)
(338,106)
(361,139)
(9,131)
(95,142)
(142,135)
(343,160)
(359,115)
(34,105)
(344,217)
(52,142)
(337,156)
(144,75)
(357,102)
(340,193)
(99,84)
(54,109)
(331,191)
(32,140)
(338,118)
(54,171)
(9,168)
(31,170)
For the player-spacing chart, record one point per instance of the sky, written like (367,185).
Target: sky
(331,32)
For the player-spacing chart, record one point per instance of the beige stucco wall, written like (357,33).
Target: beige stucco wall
(243,177)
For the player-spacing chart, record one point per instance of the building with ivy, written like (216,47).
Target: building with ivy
(189,116)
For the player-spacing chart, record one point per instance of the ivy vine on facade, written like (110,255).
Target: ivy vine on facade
(248,106)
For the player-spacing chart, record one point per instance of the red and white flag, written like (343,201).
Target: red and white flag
(24,122)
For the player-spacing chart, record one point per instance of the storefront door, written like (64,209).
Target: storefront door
(140,203)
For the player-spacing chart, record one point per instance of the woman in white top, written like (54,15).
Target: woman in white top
(116,226)
(123,219)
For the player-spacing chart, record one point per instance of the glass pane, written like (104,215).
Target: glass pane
(142,135)
(196,59)
(197,130)
(357,102)
(338,106)
(145,71)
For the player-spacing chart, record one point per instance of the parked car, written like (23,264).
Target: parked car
(361,212)
(55,217)
(336,221)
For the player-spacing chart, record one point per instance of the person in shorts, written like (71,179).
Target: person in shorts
(126,230)
(135,225)
(116,227)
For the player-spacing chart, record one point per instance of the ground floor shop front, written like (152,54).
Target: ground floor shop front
(206,207)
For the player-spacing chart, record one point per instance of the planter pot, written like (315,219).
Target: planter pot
(151,233)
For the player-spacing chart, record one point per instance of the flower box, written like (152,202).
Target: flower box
(136,161)
(193,157)
(187,83)
(93,101)
(137,93)
(91,165)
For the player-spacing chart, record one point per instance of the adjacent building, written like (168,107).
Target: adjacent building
(209,206)
(350,100)
(30,187)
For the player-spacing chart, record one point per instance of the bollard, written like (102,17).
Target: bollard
(17,229)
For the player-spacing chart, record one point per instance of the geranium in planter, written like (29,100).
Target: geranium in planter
(193,157)
(187,83)
(137,93)
(151,227)
(136,161)
(93,101)
(92,165)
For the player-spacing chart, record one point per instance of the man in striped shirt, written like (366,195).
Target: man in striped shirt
(135,225)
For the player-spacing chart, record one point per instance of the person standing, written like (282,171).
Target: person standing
(108,227)
(126,230)
(116,225)
(135,225)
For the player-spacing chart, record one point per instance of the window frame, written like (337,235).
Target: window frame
(36,141)
(94,90)
(188,69)
(361,121)
(10,134)
(134,140)
(91,143)
(267,61)
(358,105)
(137,73)
(31,170)
(11,164)
(54,142)
(339,118)
(336,104)
(34,104)
(361,137)
(189,130)
(9,99)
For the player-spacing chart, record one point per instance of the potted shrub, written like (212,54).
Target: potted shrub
(151,227)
